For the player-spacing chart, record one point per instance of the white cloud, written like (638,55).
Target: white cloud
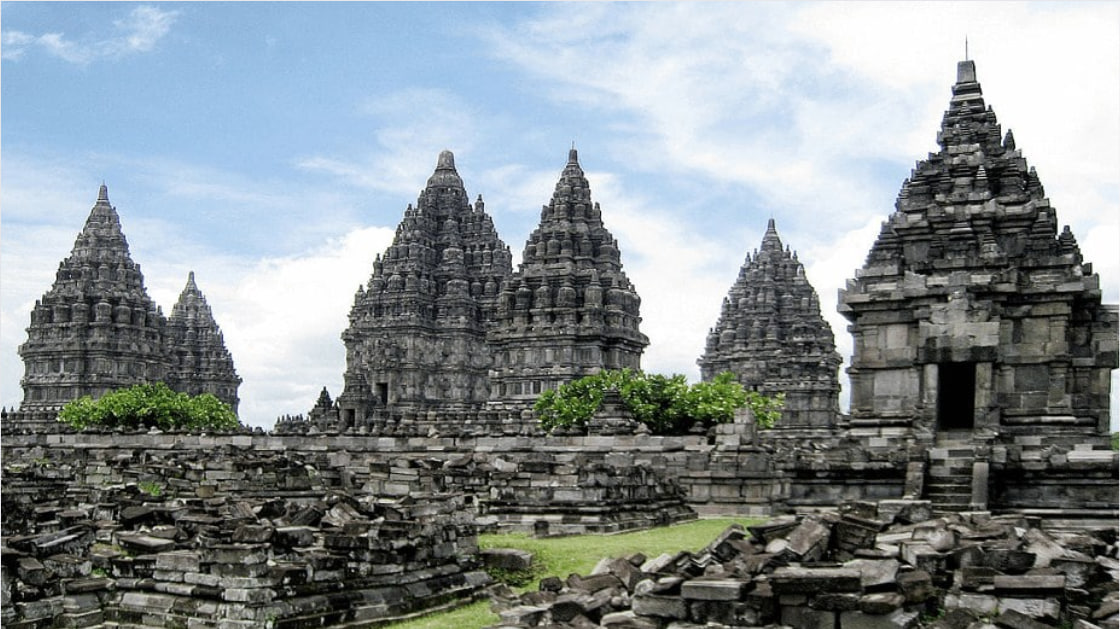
(409,128)
(138,32)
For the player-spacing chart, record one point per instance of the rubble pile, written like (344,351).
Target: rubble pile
(141,556)
(870,565)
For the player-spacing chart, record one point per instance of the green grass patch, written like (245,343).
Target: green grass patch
(561,556)
(1116,441)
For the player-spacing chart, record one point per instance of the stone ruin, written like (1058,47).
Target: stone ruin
(227,538)
(980,384)
(888,565)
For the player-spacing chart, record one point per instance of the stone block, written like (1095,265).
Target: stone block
(1012,619)
(898,619)
(875,573)
(808,618)
(507,558)
(710,589)
(879,603)
(800,580)
(1044,609)
(671,607)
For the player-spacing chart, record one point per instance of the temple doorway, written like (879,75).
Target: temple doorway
(956,396)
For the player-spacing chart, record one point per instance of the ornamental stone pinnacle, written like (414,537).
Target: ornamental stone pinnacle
(200,362)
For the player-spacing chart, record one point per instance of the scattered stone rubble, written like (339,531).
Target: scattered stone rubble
(889,565)
(278,552)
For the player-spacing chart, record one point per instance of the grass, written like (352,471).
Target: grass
(561,556)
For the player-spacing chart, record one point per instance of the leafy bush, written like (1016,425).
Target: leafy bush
(150,406)
(667,404)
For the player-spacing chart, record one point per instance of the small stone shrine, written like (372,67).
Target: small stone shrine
(417,334)
(771,335)
(569,310)
(97,329)
(973,314)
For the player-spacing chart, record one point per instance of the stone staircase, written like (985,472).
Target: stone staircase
(948,484)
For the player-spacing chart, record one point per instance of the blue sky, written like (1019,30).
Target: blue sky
(273,147)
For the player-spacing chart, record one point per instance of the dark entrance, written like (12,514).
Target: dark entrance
(956,396)
(383,393)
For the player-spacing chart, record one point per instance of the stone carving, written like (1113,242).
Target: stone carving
(771,335)
(97,329)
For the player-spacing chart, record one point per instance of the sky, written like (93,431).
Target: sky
(272,148)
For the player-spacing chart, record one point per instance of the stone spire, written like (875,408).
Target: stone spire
(417,329)
(96,329)
(771,335)
(200,362)
(569,310)
(971,311)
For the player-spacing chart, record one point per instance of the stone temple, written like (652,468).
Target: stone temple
(97,329)
(973,314)
(418,330)
(569,310)
(445,325)
(771,335)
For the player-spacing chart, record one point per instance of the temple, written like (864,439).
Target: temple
(771,335)
(979,334)
(200,362)
(569,310)
(97,329)
(417,334)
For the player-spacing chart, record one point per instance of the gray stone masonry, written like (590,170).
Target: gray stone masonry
(417,333)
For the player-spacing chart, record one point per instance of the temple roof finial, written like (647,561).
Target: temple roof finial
(573,155)
(103,193)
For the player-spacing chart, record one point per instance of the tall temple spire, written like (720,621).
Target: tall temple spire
(96,329)
(200,362)
(417,329)
(772,336)
(569,310)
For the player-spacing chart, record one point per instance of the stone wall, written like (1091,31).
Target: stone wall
(222,537)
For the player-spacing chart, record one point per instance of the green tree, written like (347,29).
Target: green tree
(149,406)
(667,404)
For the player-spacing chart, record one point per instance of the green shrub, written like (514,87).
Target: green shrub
(149,406)
(667,404)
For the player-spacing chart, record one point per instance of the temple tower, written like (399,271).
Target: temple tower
(569,310)
(200,362)
(417,334)
(973,314)
(96,329)
(771,335)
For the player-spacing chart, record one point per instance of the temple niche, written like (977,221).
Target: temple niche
(974,316)
(417,333)
(569,310)
(97,330)
(771,335)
